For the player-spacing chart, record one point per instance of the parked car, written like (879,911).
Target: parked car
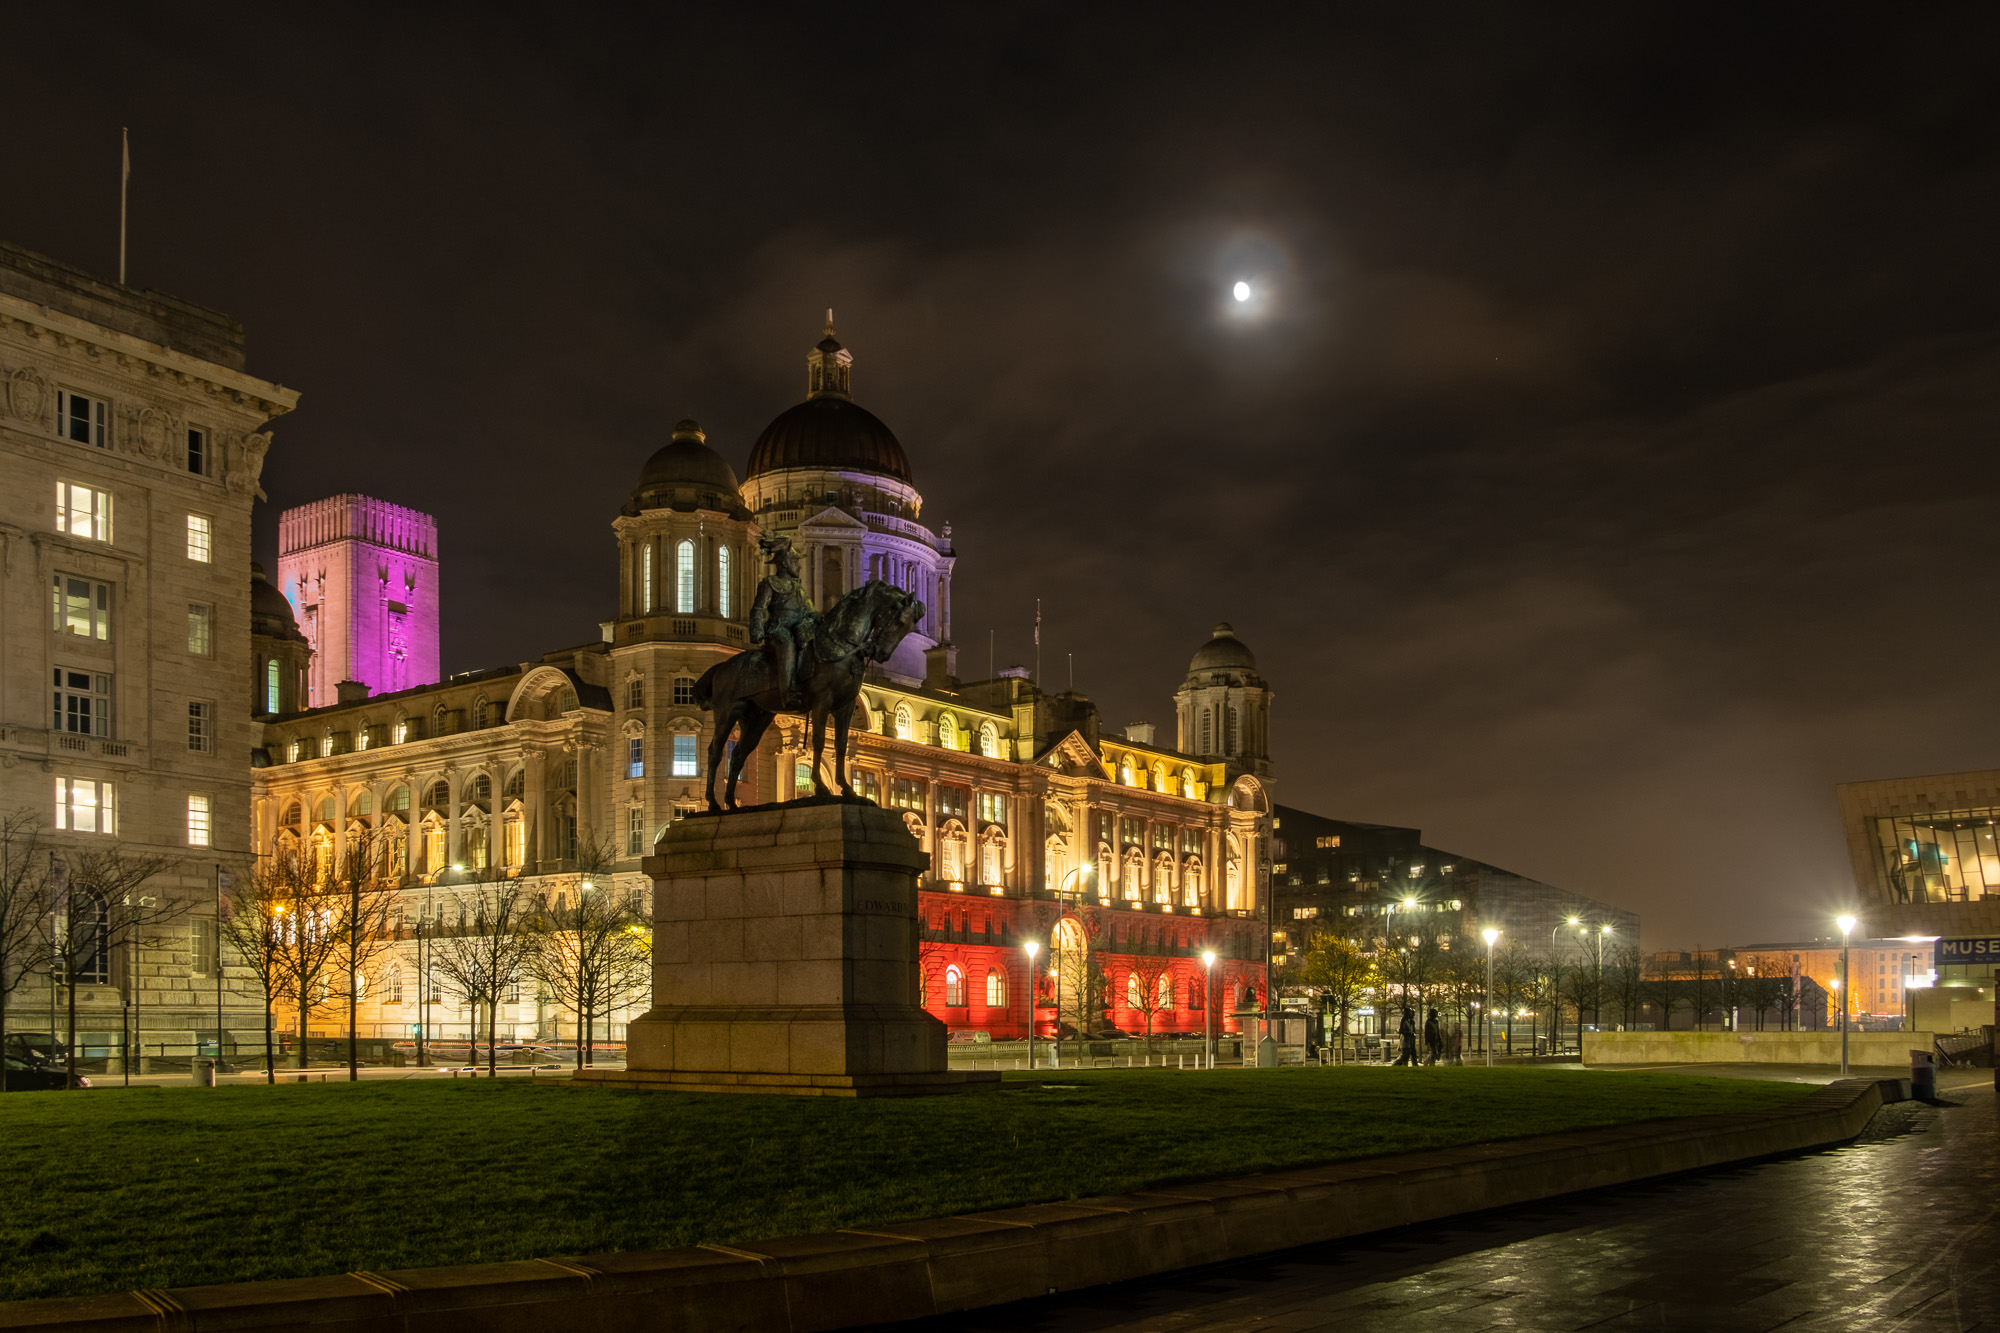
(36,1048)
(969,1038)
(29,1076)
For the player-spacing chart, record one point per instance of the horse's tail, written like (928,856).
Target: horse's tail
(704,689)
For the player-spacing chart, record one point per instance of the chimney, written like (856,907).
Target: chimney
(1139,733)
(941,667)
(349,692)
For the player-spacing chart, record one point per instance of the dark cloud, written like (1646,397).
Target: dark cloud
(1605,471)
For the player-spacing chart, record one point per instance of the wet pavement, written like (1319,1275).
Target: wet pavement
(1898,1230)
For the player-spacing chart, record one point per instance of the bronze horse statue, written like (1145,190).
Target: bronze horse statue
(743,691)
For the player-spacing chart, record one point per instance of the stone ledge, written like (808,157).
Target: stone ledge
(880,1274)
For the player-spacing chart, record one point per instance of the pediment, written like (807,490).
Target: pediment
(834,522)
(1072,755)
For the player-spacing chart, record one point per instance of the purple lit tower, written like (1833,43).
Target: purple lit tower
(362,575)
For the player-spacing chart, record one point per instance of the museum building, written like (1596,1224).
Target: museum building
(1122,858)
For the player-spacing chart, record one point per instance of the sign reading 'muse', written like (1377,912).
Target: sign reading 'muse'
(1976,949)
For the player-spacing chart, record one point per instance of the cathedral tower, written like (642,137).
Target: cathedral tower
(362,576)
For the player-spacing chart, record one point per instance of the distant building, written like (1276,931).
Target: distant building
(1926,858)
(1373,883)
(362,576)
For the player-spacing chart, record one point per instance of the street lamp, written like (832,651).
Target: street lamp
(1846,924)
(1055,971)
(1033,948)
(1492,937)
(1208,993)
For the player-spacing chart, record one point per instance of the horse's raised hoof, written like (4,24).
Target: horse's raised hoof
(713,808)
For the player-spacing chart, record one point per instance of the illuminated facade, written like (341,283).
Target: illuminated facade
(131,442)
(361,576)
(1126,859)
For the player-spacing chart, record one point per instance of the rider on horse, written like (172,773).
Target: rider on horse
(781,618)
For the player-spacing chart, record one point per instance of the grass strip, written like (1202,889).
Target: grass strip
(112,1190)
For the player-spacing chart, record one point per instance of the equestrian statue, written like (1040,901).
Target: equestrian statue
(803,663)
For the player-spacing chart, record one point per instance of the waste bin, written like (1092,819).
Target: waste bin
(204,1073)
(1923,1075)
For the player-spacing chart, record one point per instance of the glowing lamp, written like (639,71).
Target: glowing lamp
(1490,935)
(1241,291)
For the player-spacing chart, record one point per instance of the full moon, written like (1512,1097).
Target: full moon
(1242,291)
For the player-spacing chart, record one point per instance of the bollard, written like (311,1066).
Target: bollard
(1923,1076)
(204,1073)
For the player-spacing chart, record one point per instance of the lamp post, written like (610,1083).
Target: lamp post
(1208,993)
(1492,937)
(1055,970)
(1846,924)
(1032,948)
(1597,993)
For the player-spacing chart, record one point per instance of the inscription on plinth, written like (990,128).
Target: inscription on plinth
(785,960)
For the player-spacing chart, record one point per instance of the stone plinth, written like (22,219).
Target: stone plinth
(785,960)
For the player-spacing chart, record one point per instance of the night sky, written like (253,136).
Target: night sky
(1603,469)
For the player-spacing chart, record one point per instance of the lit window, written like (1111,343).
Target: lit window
(82,702)
(271,685)
(646,577)
(685,765)
(954,988)
(722,582)
(86,806)
(904,724)
(200,538)
(802,777)
(197,455)
(516,843)
(395,983)
(82,608)
(198,627)
(684,577)
(201,725)
(82,511)
(948,732)
(202,946)
(996,990)
(635,758)
(684,691)
(989,740)
(635,831)
(197,821)
(81,419)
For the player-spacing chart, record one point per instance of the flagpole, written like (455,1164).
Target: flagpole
(1038,642)
(124,181)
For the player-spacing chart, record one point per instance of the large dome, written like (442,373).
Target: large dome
(1223,652)
(270,613)
(685,469)
(832,433)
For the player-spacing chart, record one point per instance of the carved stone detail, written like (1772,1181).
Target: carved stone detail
(27,394)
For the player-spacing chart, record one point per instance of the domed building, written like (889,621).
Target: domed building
(1128,859)
(279,653)
(831,475)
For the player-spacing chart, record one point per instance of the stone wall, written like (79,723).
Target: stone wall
(1865,1049)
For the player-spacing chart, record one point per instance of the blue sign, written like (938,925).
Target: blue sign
(1977,949)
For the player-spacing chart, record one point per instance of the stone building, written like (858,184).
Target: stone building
(131,439)
(362,575)
(1041,825)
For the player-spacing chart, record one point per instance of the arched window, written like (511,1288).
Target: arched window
(1191,883)
(395,983)
(271,685)
(1160,778)
(1125,771)
(989,740)
(1165,996)
(439,795)
(480,791)
(948,732)
(294,816)
(1134,991)
(437,720)
(954,988)
(517,784)
(989,864)
(1187,783)
(904,724)
(1134,873)
(722,582)
(646,577)
(684,577)
(996,990)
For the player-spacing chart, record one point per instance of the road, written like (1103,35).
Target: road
(1897,1230)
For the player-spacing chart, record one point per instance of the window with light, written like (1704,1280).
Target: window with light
(200,538)
(197,821)
(686,762)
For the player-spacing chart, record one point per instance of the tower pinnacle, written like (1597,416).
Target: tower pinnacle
(827,365)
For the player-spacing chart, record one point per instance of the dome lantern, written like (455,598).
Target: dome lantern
(828,365)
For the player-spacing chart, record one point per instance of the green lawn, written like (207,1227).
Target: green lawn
(174,1187)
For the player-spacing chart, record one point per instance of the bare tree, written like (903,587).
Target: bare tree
(1338,971)
(86,887)
(256,915)
(489,953)
(1150,988)
(367,882)
(24,902)
(134,920)
(1623,981)
(588,955)
(1513,976)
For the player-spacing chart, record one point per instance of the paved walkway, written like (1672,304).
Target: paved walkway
(1898,1230)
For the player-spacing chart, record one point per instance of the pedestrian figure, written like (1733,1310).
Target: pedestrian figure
(1433,1038)
(1407,1030)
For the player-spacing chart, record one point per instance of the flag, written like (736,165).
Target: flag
(1038,622)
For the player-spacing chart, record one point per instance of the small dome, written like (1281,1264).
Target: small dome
(829,432)
(1223,652)
(270,613)
(686,464)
